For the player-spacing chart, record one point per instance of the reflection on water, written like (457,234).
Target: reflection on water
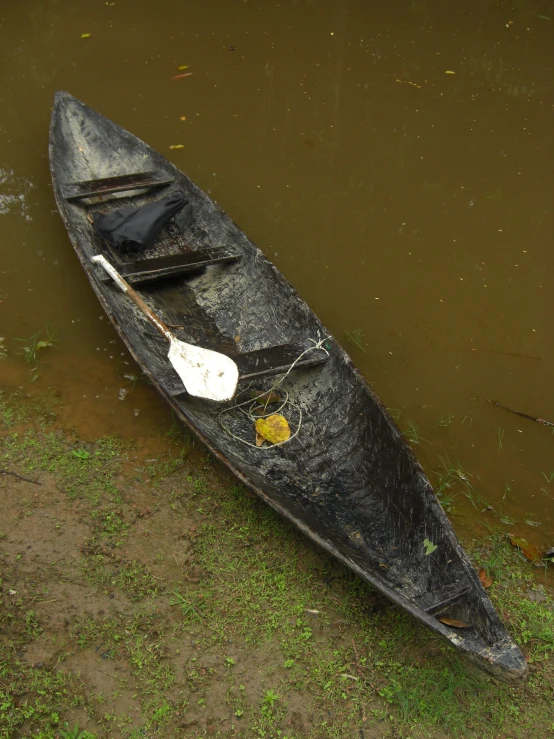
(14,194)
(392,159)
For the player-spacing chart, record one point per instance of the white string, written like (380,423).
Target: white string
(253,402)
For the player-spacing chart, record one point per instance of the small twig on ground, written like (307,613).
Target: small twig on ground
(523,415)
(121,680)
(361,673)
(19,477)
(358,665)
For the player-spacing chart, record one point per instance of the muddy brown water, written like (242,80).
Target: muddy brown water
(394,160)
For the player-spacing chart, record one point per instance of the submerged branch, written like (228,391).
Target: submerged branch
(523,415)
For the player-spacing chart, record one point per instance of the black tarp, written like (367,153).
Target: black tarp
(132,229)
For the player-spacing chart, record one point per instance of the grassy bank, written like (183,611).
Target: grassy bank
(156,598)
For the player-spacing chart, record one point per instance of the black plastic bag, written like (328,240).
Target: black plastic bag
(133,229)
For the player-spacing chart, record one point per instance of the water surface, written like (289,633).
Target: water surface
(394,160)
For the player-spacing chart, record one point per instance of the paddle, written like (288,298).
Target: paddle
(205,373)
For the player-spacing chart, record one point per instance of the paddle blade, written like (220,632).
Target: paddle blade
(205,374)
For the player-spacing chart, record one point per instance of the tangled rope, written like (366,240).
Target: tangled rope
(254,404)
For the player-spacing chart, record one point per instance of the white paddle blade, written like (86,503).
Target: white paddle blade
(205,374)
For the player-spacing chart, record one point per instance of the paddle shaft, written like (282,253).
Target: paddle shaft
(135,297)
(204,373)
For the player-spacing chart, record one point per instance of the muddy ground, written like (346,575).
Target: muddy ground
(146,594)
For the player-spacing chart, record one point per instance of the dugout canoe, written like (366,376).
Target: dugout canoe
(346,478)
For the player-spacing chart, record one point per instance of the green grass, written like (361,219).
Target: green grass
(74,733)
(19,408)
(110,524)
(91,472)
(412,433)
(449,480)
(444,422)
(356,337)
(240,606)
(190,608)
(33,698)
(31,347)
(261,594)
(132,578)
(10,413)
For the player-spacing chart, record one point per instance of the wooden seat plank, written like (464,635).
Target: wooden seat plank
(275,359)
(143,271)
(108,185)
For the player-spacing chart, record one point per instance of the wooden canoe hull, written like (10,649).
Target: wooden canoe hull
(348,479)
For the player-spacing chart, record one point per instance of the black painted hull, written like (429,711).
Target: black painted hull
(348,480)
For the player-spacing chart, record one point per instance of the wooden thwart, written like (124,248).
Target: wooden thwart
(142,271)
(438,599)
(275,359)
(261,363)
(108,185)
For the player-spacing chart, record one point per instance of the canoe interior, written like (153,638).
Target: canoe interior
(348,479)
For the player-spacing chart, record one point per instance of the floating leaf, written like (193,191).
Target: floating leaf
(408,82)
(179,76)
(454,622)
(529,550)
(85,35)
(449,71)
(486,579)
(274,429)
(183,67)
(429,547)
(177,146)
